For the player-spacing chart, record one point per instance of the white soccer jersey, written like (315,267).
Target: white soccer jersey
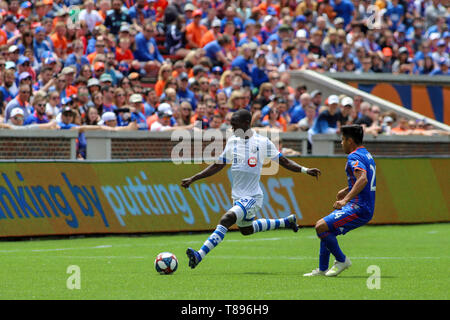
(246,157)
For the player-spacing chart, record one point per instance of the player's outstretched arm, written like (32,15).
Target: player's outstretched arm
(295,167)
(209,171)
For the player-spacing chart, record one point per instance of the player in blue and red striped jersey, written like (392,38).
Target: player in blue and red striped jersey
(354,206)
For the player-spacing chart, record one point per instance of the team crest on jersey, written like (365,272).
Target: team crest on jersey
(252,161)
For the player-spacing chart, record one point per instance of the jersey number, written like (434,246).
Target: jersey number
(372,181)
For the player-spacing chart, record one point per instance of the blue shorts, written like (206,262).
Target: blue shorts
(346,219)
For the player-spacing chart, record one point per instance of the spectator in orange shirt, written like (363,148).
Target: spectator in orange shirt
(211,34)
(164,74)
(123,52)
(59,40)
(99,48)
(195,31)
(3,37)
(69,73)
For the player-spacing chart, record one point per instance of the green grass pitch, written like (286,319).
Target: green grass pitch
(413,261)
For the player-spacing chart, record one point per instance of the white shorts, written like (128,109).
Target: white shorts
(246,209)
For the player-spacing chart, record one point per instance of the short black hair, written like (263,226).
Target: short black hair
(354,131)
(243,115)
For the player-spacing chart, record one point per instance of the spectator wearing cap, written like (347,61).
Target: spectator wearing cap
(108,119)
(268,28)
(327,120)
(17,117)
(10,28)
(13,54)
(212,34)
(69,74)
(93,86)
(40,44)
(147,52)
(441,47)
(183,92)
(163,119)
(346,110)
(23,65)
(20,101)
(116,17)
(402,58)
(25,78)
(136,115)
(442,68)
(39,115)
(195,31)
(67,119)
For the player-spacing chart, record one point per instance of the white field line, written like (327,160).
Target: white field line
(316,258)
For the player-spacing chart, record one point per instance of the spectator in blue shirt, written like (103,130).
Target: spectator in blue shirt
(39,115)
(344,9)
(245,63)
(147,52)
(183,92)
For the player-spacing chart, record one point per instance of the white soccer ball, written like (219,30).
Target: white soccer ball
(166,263)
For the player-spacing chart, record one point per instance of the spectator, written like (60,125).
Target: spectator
(327,120)
(21,102)
(147,52)
(195,31)
(39,115)
(307,122)
(116,17)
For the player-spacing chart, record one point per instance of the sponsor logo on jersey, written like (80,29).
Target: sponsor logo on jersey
(252,161)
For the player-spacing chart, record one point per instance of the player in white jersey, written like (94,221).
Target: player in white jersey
(246,152)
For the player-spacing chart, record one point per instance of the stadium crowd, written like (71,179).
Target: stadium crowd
(79,65)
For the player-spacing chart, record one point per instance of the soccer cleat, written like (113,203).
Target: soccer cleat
(194,257)
(338,267)
(293,222)
(315,273)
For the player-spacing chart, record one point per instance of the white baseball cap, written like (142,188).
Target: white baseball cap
(108,116)
(347,101)
(16,111)
(333,99)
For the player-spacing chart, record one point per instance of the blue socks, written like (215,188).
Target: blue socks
(214,239)
(324,256)
(261,225)
(331,243)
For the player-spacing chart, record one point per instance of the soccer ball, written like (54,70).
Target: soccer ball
(166,263)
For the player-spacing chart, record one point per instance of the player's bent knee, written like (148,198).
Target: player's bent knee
(321,226)
(228,219)
(246,231)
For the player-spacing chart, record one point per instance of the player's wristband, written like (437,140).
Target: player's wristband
(304,170)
